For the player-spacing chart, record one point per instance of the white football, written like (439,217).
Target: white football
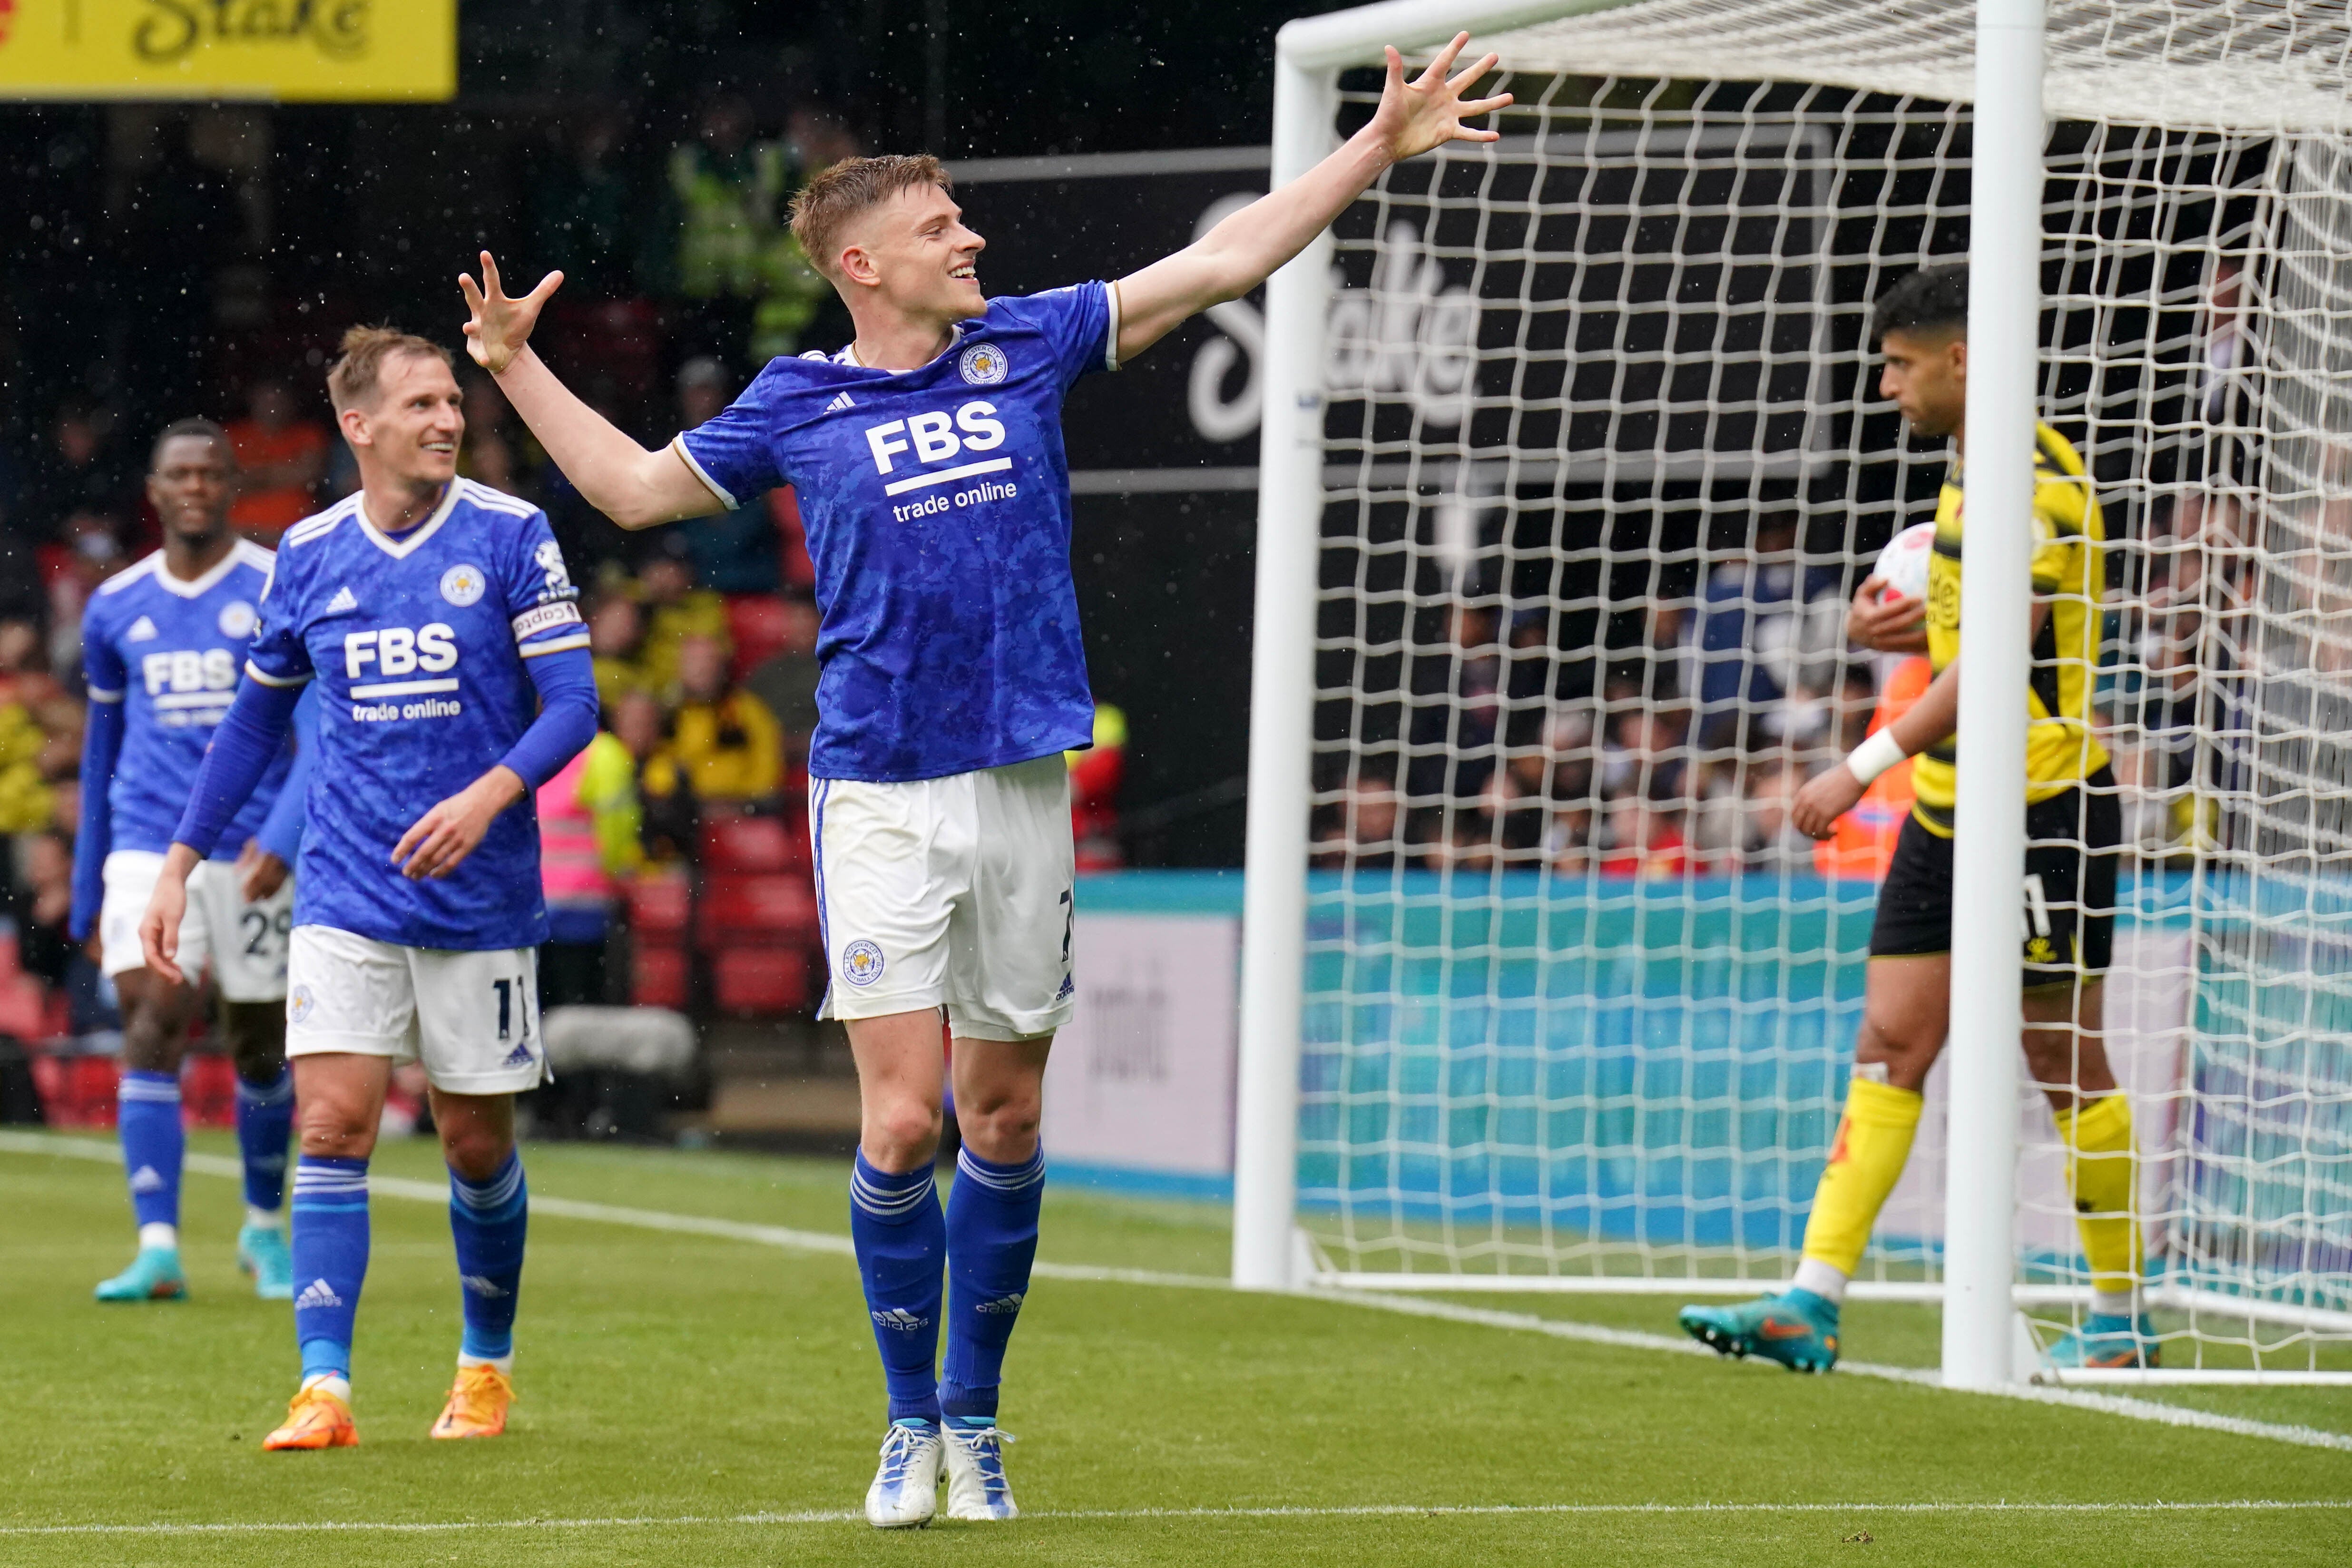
(1903,564)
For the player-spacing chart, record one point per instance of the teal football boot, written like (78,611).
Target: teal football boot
(2104,1341)
(153,1276)
(261,1252)
(1797,1329)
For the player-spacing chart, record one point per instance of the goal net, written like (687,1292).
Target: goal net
(1604,461)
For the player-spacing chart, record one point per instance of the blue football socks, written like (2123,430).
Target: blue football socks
(330,1259)
(264,1120)
(991,1234)
(489,1219)
(901,1240)
(154,1145)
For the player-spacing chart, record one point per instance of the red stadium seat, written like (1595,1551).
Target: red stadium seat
(661,978)
(756,622)
(757,911)
(659,907)
(24,1009)
(750,980)
(752,844)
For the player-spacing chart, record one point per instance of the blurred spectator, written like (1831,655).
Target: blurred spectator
(26,804)
(40,898)
(1772,637)
(1461,839)
(280,459)
(77,470)
(496,447)
(585,215)
(1643,754)
(1095,774)
(666,802)
(674,610)
(1361,834)
(786,679)
(1456,707)
(1646,839)
(588,846)
(25,678)
(1771,843)
(734,255)
(735,552)
(94,553)
(722,737)
(616,636)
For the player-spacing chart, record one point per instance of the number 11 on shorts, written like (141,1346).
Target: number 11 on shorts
(510,993)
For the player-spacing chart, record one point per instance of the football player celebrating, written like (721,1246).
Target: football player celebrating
(162,645)
(430,611)
(928,460)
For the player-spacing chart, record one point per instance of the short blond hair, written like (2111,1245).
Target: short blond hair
(354,380)
(852,187)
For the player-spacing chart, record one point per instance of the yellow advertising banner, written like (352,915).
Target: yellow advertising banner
(319,50)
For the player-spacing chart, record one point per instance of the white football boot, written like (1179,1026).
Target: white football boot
(976,1484)
(906,1490)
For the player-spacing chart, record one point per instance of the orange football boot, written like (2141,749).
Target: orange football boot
(477,1405)
(316,1419)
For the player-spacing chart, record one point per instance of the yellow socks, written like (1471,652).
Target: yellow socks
(2102,1168)
(1873,1140)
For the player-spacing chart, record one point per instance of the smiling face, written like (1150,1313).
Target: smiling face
(409,433)
(912,255)
(191,485)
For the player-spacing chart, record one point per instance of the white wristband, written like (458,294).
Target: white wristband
(1875,756)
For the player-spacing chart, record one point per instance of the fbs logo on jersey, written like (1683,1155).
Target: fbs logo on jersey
(984,364)
(238,620)
(464,584)
(142,630)
(861,963)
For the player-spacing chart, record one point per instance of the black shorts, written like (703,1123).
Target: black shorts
(2069,915)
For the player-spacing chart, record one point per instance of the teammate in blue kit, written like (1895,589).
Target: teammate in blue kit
(431,612)
(928,460)
(163,644)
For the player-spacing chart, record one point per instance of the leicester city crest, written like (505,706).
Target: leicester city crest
(238,620)
(462,584)
(861,963)
(984,364)
(298,1004)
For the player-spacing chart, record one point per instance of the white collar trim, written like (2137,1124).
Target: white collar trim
(407,544)
(202,585)
(955,335)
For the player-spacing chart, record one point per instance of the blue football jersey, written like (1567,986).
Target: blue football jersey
(417,642)
(937,503)
(170,653)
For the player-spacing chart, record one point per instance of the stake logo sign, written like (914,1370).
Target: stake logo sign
(320,51)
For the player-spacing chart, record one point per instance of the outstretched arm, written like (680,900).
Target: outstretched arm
(635,488)
(1240,253)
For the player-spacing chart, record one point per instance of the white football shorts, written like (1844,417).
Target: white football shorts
(244,944)
(951,892)
(472,1018)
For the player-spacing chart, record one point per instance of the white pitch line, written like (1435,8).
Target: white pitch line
(1408,1306)
(1365,1511)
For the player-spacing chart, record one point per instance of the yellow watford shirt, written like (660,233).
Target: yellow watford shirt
(2060,749)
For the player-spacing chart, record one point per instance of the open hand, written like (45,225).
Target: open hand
(1427,112)
(437,841)
(159,928)
(1897,625)
(1826,796)
(501,325)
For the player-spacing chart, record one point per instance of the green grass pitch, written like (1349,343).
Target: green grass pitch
(700,1399)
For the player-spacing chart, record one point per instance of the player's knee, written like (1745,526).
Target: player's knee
(477,1153)
(901,1135)
(1004,1126)
(255,1034)
(331,1131)
(1905,1055)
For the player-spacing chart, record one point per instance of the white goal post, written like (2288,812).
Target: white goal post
(1555,1008)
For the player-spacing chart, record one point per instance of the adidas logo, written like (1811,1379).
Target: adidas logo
(839,403)
(341,602)
(1069,988)
(146,1179)
(901,1319)
(316,1294)
(482,1285)
(142,630)
(1004,1305)
(520,1056)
